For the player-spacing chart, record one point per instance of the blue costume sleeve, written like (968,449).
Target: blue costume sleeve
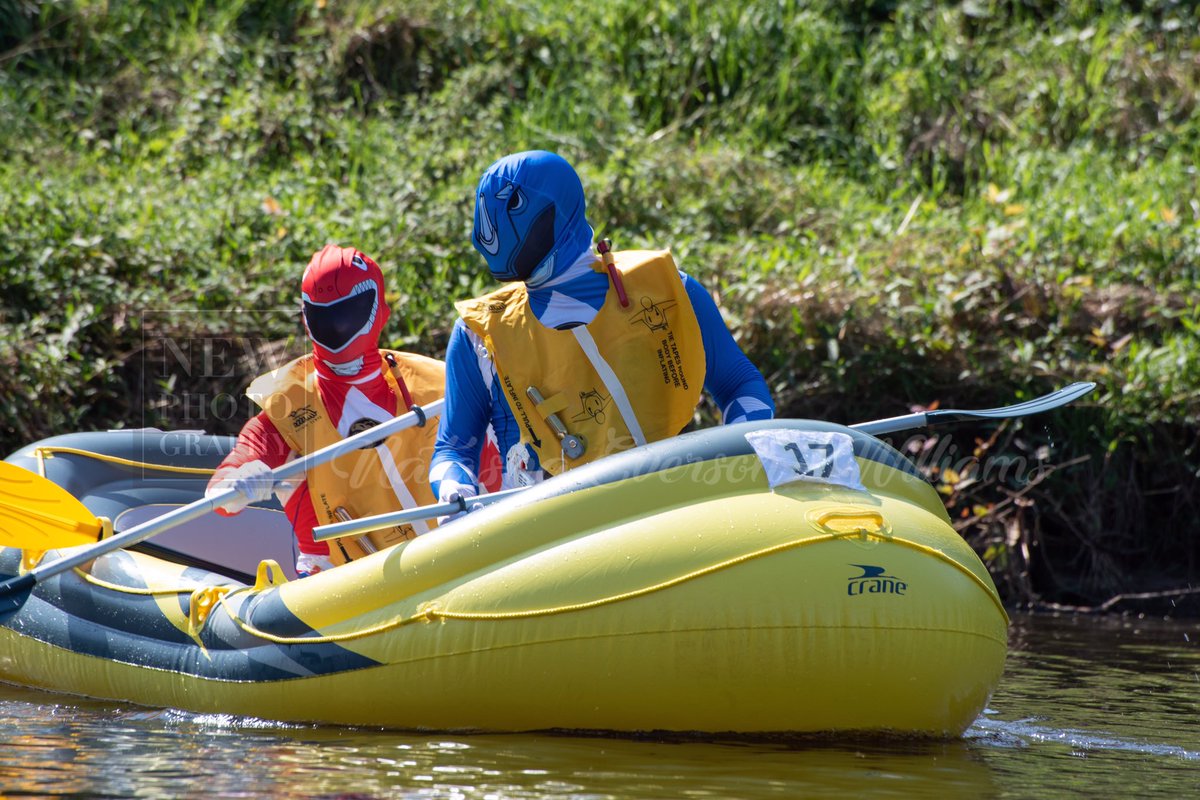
(465,416)
(734,383)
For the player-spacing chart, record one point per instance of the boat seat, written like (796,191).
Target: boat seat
(224,544)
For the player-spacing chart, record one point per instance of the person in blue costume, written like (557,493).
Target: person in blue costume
(531,227)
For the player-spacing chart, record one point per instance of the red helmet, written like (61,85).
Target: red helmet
(344,310)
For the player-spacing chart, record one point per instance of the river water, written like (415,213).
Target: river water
(1088,708)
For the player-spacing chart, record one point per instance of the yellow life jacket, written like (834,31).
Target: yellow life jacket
(632,375)
(391,476)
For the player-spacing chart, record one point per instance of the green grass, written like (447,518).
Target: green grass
(895,202)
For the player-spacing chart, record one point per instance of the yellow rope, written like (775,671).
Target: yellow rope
(645,590)
(430,613)
(188,590)
(926,549)
(383,627)
(733,562)
(134,590)
(41,452)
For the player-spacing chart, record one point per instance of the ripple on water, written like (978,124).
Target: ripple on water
(1022,732)
(1086,708)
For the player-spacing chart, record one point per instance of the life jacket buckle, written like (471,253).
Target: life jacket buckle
(573,446)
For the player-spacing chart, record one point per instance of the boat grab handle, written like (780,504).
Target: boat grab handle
(848,522)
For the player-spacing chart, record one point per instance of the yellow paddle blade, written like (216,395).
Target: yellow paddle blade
(38,514)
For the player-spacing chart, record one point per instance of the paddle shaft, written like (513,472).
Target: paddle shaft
(1065,395)
(876,427)
(14,591)
(414,418)
(349,527)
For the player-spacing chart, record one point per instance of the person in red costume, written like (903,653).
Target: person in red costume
(346,384)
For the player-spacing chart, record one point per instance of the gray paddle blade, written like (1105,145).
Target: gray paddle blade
(1065,395)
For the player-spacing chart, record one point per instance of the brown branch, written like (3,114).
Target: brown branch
(1053,468)
(1108,604)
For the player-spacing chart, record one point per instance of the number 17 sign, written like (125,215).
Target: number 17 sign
(790,455)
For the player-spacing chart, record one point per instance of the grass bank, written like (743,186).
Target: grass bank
(895,203)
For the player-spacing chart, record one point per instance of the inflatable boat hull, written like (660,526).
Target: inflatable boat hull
(665,589)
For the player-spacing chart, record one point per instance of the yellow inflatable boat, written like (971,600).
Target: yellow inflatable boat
(779,577)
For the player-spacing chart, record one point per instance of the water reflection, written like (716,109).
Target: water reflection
(1097,708)
(89,748)
(1135,679)
(1086,708)
(177,756)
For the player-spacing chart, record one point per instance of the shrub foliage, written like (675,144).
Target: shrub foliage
(899,202)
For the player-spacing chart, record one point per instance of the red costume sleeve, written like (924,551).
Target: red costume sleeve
(260,440)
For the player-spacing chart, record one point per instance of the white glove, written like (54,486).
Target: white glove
(309,564)
(253,481)
(451,491)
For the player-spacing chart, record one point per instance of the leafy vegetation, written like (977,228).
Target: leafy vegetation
(895,202)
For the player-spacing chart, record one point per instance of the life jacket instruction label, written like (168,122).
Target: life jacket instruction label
(789,455)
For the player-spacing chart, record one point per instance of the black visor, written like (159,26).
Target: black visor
(539,241)
(334,325)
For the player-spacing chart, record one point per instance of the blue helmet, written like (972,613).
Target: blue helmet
(530,217)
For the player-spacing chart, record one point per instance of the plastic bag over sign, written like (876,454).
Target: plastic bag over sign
(789,455)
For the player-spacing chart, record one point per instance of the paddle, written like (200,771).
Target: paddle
(1067,394)
(37,514)
(15,591)
(882,426)
(68,521)
(335,529)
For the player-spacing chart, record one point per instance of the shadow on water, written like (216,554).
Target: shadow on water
(1087,707)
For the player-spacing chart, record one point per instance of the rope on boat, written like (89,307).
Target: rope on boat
(134,590)
(41,453)
(429,612)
